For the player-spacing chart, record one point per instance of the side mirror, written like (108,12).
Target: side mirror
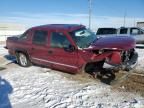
(70,48)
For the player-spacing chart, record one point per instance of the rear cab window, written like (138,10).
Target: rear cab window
(24,36)
(40,37)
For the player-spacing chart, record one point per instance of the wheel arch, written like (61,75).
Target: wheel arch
(22,51)
(98,65)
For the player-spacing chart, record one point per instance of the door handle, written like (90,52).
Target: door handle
(50,52)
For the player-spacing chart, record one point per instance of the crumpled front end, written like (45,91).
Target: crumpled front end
(125,60)
(118,51)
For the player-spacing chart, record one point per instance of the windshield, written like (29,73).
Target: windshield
(83,37)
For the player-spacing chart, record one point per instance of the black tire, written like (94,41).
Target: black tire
(23,60)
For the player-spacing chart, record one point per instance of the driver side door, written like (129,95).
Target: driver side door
(59,56)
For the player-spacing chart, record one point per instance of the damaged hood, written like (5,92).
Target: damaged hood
(117,42)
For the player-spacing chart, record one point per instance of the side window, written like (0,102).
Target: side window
(59,40)
(123,31)
(134,31)
(103,31)
(40,37)
(24,36)
(141,32)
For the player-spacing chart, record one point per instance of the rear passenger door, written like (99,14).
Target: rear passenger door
(60,57)
(39,48)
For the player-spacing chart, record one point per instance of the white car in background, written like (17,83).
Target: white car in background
(135,32)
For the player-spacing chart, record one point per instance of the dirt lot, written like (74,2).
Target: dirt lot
(133,83)
(35,84)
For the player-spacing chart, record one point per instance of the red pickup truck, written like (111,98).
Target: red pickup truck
(71,48)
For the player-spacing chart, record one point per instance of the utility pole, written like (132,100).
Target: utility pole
(90,12)
(134,22)
(124,18)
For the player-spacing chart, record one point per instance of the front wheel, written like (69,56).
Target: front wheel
(23,60)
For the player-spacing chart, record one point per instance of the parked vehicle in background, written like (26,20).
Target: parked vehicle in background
(140,24)
(101,32)
(71,48)
(135,32)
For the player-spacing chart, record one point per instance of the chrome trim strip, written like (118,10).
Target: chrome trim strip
(54,62)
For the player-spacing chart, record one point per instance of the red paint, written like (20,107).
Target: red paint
(69,61)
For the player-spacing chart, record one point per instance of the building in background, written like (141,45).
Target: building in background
(140,24)
(10,29)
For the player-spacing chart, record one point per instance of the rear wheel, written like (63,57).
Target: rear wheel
(23,60)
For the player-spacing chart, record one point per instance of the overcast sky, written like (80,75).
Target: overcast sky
(105,13)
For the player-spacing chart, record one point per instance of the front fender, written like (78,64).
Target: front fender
(114,58)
